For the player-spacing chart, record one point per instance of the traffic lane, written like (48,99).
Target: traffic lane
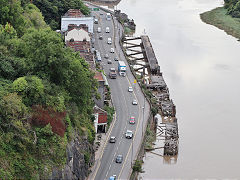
(140,98)
(109,150)
(106,160)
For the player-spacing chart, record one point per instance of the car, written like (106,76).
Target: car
(101,13)
(100,37)
(109,61)
(132,120)
(112,50)
(106,56)
(134,102)
(112,73)
(119,159)
(109,41)
(107,30)
(96,21)
(113,177)
(130,89)
(129,134)
(115,59)
(112,139)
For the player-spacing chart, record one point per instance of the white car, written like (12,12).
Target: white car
(130,89)
(134,102)
(106,56)
(129,134)
(112,50)
(107,30)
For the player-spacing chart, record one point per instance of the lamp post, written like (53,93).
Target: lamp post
(143,108)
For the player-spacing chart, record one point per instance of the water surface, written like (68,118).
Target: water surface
(201,65)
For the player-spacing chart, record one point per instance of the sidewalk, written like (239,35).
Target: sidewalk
(98,154)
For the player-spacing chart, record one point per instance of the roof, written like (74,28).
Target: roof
(78,34)
(82,46)
(98,76)
(74,13)
(102,117)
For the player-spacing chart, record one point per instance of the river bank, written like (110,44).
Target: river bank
(218,17)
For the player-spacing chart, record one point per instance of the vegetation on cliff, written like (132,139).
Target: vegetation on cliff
(226,18)
(45,94)
(52,10)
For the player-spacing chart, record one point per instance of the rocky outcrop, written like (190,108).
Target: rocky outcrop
(80,157)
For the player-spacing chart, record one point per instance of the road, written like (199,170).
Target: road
(122,100)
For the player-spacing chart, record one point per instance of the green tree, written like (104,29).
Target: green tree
(30,88)
(11,12)
(52,10)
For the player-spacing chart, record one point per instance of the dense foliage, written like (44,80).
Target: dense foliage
(52,10)
(233,7)
(45,94)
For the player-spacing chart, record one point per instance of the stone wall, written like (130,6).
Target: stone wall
(76,166)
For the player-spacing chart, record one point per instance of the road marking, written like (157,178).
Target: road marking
(105,146)
(131,145)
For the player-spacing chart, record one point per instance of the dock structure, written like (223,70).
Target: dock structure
(142,54)
(149,55)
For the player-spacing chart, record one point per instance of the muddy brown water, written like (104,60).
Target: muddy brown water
(201,65)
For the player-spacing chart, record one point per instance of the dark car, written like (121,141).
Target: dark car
(112,139)
(109,61)
(119,159)
(100,37)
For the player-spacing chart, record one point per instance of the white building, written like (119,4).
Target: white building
(74,16)
(77,35)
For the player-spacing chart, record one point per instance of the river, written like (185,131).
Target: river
(201,65)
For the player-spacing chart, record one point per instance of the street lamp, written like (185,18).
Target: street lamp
(143,108)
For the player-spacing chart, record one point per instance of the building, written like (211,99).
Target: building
(79,40)
(77,34)
(100,122)
(75,17)
(101,89)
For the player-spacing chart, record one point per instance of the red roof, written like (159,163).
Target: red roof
(102,117)
(74,13)
(98,76)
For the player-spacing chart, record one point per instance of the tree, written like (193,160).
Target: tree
(52,10)
(11,12)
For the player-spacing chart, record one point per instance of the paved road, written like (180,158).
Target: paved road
(122,100)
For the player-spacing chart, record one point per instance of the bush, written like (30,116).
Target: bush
(137,167)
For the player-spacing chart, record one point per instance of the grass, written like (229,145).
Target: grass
(219,18)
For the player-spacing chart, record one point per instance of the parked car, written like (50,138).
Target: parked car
(119,159)
(112,50)
(100,37)
(130,89)
(134,102)
(132,120)
(129,134)
(112,139)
